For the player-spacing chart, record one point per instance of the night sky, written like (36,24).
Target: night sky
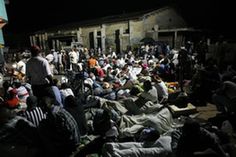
(30,15)
(26,16)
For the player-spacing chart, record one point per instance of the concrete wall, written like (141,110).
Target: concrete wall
(147,25)
(136,31)
(149,22)
(85,34)
(111,28)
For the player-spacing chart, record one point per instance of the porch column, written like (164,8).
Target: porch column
(40,41)
(175,39)
(44,41)
(57,45)
(79,36)
(103,36)
(53,44)
(121,41)
(156,33)
(34,40)
(31,41)
(95,39)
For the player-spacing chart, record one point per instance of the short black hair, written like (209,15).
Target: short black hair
(191,127)
(147,85)
(35,50)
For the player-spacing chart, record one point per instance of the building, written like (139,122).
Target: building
(3,21)
(119,31)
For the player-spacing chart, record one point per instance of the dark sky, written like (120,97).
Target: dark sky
(27,15)
(30,15)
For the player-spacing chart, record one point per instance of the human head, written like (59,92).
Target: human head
(156,78)
(70,101)
(5,114)
(191,128)
(6,85)
(65,86)
(31,102)
(17,83)
(147,85)
(35,50)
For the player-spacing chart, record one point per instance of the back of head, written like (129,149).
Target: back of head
(156,78)
(149,134)
(17,83)
(70,101)
(35,50)
(5,114)
(65,85)
(31,102)
(6,85)
(191,128)
(147,85)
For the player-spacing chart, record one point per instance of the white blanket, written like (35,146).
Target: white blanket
(160,148)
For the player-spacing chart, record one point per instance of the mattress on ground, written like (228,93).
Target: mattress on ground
(176,111)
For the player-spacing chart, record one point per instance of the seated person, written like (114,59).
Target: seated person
(12,102)
(162,89)
(149,94)
(225,97)
(18,137)
(195,141)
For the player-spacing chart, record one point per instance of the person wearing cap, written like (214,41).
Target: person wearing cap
(21,90)
(39,74)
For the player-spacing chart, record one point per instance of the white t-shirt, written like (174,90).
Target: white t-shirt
(66,92)
(73,57)
(162,90)
(37,68)
(20,66)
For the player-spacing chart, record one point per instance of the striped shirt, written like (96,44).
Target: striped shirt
(35,115)
(68,122)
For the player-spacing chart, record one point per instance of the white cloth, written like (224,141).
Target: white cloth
(50,57)
(66,92)
(151,95)
(161,148)
(162,90)
(21,66)
(22,93)
(55,55)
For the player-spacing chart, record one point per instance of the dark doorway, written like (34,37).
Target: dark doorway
(99,39)
(91,40)
(117,40)
(50,44)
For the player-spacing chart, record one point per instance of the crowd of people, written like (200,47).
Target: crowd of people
(126,113)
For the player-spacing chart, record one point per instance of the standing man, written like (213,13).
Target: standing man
(73,59)
(39,74)
(55,59)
